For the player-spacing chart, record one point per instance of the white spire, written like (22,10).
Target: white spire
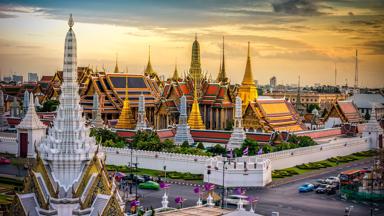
(31,119)
(68,144)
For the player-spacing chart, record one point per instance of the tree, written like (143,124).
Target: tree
(253,146)
(168,145)
(367,116)
(267,148)
(217,150)
(200,145)
(185,144)
(311,107)
(49,106)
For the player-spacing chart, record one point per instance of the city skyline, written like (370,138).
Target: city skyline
(288,38)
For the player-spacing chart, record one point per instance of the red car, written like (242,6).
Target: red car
(4,160)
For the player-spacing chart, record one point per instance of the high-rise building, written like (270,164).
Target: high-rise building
(273,82)
(17,78)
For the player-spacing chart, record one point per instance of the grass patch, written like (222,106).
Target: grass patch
(331,162)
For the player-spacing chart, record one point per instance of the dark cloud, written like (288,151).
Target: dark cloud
(376,47)
(298,7)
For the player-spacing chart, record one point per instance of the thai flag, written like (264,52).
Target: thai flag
(245,151)
(135,203)
(196,190)
(209,187)
(230,154)
(164,185)
(260,152)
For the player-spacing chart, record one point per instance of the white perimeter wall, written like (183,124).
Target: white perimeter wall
(156,160)
(197,164)
(293,157)
(8,145)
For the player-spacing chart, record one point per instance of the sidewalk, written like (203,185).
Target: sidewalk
(287,180)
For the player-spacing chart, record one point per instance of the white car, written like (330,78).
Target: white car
(332,179)
(234,199)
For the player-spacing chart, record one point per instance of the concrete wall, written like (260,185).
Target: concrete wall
(197,164)
(156,160)
(8,145)
(293,157)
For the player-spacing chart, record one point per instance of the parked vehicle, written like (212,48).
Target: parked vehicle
(234,199)
(131,178)
(321,181)
(321,188)
(147,178)
(331,189)
(332,179)
(4,160)
(307,187)
(151,185)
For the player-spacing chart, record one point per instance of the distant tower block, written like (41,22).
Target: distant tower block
(183,131)
(141,119)
(3,121)
(238,135)
(97,121)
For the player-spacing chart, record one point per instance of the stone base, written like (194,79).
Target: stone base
(183,133)
(237,138)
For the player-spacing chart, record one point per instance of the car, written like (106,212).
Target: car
(321,188)
(332,179)
(151,185)
(234,199)
(307,187)
(331,189)
(147,178)
(4,160)
(321,181)
(131,178)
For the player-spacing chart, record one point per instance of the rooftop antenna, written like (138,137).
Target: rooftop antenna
(335,75)
(356,71)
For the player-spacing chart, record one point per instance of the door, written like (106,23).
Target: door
(23,144)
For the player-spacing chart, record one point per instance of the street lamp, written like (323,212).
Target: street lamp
(348,210)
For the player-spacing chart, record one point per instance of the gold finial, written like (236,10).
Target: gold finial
(196,36)
(249,52)
(126,87)
(70,21)
(116,66)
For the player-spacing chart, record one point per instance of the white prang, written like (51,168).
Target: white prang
(183,131)
(68,144)
(238,135)
(141,119)
(32,126)
(372,129)
(97,121)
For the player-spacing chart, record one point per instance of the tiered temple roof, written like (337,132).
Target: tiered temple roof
(272,115)
(346,111)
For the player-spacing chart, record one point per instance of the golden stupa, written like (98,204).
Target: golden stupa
(195,121)
(126,119)
(248,91)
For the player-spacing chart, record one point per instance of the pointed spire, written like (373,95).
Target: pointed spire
(222,77)
(116,66)
(175,76)
(195,120)
(149,70)
(31,119)
(126,119)
(70,21)
(248,77)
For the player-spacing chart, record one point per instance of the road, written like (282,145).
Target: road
(283,198)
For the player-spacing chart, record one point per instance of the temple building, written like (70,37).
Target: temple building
(267,115)
(215,99)
(342,112)
(247,91)
(150,72)
(69,176)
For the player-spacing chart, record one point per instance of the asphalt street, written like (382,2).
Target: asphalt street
(283,198)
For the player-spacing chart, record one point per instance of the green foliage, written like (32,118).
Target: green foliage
(108,138)
(185,144)
(267,149)
(367,116)
(217,150)
(49,106)
(200,145)
(311,107)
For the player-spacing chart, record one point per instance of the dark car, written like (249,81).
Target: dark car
(331,189)
(321,188)
(133,179)
(147,178)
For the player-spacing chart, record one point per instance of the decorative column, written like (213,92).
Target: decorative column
(25,102)
(372,130)
(141,119)
(183,131)
(15,108)
(3,121)
(97,121)
(238,135)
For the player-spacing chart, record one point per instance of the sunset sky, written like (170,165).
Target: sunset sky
(288,37)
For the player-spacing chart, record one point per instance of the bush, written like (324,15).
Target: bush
(200,145)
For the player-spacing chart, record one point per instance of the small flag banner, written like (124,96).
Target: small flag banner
(196,190)
(179,200)
(135,203)
(209,186)
(164,185)
(230,154)
(245,151)
(240,191)
(252,199)
(260,152)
